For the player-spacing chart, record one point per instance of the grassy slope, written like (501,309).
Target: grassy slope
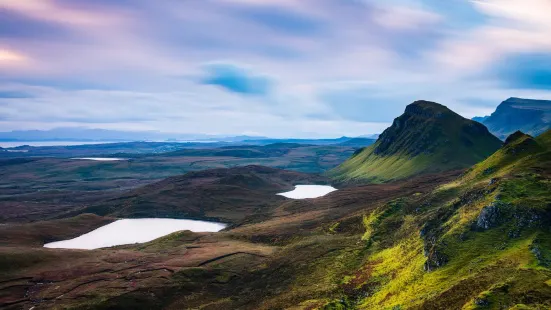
(475,259)
(377,169)
(427,138)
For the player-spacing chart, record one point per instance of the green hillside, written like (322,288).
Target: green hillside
(427,138)
(480,242)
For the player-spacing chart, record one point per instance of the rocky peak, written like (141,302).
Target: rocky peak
(516,136)
(427,109)
(520,143)
(422,129)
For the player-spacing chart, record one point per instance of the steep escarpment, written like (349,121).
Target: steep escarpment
(529,116)
(427,138)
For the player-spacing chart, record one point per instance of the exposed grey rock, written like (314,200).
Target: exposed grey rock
(435,260)
(514,233)
(489,170)
(483,302)
(536,250)
(489,217)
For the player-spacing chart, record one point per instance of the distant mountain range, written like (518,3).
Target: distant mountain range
(89,134)
(532,117)
(103,135)
(346,141)
(427,138)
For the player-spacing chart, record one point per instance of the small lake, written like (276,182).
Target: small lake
(101,158)
(308,191)
(130,231)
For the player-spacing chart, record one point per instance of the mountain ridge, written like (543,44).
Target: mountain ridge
(531,116)
(427,137)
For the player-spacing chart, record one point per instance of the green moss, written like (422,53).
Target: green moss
(333,228)
(341,304)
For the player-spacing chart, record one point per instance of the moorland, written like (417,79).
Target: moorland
(438,213)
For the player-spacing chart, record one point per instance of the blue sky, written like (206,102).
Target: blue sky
(280,68)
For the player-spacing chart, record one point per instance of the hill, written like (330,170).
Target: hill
(39,186)
(228,195)
(359,142)
(241,151)
(427,138)
(530,116)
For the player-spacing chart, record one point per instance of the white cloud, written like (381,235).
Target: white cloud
(516,26)
(131,61)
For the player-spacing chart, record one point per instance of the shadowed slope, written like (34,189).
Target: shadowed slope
(530,116)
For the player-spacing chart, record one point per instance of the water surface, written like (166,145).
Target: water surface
(101,158)
(308,191)
(129,231)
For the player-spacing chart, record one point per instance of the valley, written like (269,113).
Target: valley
(254,253)
(36,187)
(468,231)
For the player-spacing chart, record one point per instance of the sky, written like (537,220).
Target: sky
(278,68)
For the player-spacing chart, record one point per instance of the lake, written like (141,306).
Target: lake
(101,158)
(308,191)
(130,231)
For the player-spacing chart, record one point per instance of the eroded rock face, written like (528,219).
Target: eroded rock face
(435,260)
(489,217)
(536,250)
(517,218)
(482,302)
(432,248)
(523,220)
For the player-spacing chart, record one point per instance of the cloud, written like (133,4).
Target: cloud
(513,27)
(14,24)
(526,71)
(362,102)
(194,111)
(236,79)
(14,94)
(49,10)
(10,56)
(281,19)
(291,67)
